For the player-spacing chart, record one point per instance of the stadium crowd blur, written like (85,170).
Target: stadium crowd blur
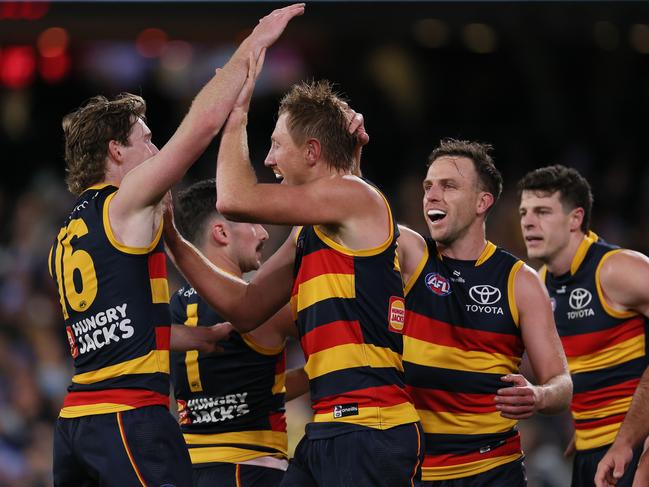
(543,82)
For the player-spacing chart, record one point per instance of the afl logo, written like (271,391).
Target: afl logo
(438,284)
(579,298)
(485,294)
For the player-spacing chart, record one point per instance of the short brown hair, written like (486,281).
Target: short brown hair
(489,176)
(316,111)
(574,190)
(89,129)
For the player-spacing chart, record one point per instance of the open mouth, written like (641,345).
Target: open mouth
(533,239)
(278,174)
(436,215)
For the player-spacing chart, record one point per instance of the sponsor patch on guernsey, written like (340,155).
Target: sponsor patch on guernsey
(397,313)
(342,410)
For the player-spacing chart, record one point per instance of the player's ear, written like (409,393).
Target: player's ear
(115,150)
(576,219)
(312,151)
(485,201)
(220,233)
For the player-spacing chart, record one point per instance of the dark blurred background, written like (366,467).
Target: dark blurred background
(544,82)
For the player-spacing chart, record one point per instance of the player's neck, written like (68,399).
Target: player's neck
(221,260)
(467,247)
(560,263)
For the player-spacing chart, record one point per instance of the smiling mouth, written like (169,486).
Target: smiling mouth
(278,175)
(435,215)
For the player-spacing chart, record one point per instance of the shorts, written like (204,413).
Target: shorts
(235,475)
(363,458)
(141,446)
(510,474)
(585,463)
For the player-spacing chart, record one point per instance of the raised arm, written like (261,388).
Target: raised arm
(246,305)
(133,212)
(546,356)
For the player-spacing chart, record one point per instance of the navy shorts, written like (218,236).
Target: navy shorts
(585,463)
(235,475)
(511,474)
(131,448)
(364,458)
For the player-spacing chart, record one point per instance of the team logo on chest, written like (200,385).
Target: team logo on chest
(578,300)
(438,284)
(485,297)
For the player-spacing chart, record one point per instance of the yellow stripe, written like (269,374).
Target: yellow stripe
(580,255)
(324,287)
(128,450)
(432,355)
(487,252)
(191,357)
(417,272)
(90,409)
(543,272)
(613,312)
(614,407)
(363,252)
(614,355)
(260,348)
(237,475)
(159,290)
(120,246)
(467,469)
(97,186)
(152,362)
(595,437)
(228,454)
(375,417)
(279,385)
(278,440)
(349,356)
(511,291)
(464,423)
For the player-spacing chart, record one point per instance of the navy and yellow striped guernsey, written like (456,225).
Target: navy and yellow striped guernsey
(605,348)
(230,403)
(349,311)
(115,301)
(461,337)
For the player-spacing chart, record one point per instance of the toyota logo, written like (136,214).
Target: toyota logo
(485,294)
(579,298)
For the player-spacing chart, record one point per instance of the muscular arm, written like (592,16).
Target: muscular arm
(297,383)
(411,250)
(623,278)
(134,211)
(246,305)
(545,353)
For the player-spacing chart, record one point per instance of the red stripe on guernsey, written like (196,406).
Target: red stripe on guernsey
(280,365)
(331,335)
(433,331)
(157,265)
(451,402)
(325,261)
(129,397)
(381,396)
(510,446)
(277,422)
(587,401)
(587,343)
(162,337)
(595,423)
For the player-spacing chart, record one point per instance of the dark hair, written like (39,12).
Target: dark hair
(489,177)
(89,129)
(193,208)
(316,111)
(574,190)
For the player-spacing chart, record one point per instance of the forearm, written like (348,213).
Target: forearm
(184,338)
(297,384)
(235,177)
(556,394)
(635,427)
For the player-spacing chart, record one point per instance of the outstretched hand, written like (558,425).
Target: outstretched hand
(520,400)
(213,335)
(272,25)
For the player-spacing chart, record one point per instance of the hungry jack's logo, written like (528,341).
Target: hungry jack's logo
(397,313)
